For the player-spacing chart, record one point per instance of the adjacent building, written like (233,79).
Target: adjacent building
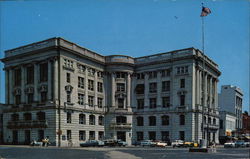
(227,124)
(230,100)
(246,124)
(1,122)
(57,89)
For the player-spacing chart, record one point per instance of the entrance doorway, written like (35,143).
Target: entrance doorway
(15,137)
(40,135)
(27,137)
(121,135)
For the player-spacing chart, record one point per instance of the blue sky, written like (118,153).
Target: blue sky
(136,28)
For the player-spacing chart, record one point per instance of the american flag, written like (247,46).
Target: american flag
(205,11)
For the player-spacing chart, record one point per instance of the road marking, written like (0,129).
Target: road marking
(120,155)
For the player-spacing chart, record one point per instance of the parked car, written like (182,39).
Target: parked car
(146,143)
(247,144)
(229,144)
(161,144)
(121,143)
(110,142)
(178,143)
(136,143)
(36,143)
(90,143)
(240,143)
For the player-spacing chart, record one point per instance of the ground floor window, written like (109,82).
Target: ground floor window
(100,135)
(82,135)
(139,135)
(152,135)
(91,135)
(165,135)
(182,135)
(68,134)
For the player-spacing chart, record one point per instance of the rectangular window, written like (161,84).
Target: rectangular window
(182,83)
(152,135)
(165,102)
(152,103)
(165,135)
(69,135)
(17,99)
(99,102)
(152,87)
(91,72)
(165,73)
(99,87)
(91,101)
(140,103)
(30,98)
(68,117)
(120,75)
(82,135)
(120,87)
(182,135)
(68,63)
(90,85)
(182,70)
(80,99)
(30,75)
(139,136)
(100,135)
(100,74)
(43,97)
(140,75)
(80,82)
(68,97)
(165,86)
(68,77)
(152,74)
(17,77)
(81,68)
(44,72)
(182,100)
(120,103)
(91,135)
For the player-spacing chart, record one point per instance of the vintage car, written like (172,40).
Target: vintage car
(229,144)
(146,143)
(93,143)
(178,143)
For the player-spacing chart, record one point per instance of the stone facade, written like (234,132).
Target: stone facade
(58,89)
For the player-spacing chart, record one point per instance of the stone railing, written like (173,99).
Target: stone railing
(119,59)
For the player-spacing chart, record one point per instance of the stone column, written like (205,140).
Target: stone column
(23,95)
(55,79)
(200,85)
(113,85)
(133,95)
(36,79)
(215,94)
(205,90)
(146,91)
(7,94)
(49,81)
(86,87)
(159,87)
(128,89)
(11,83)
(105,90)
(211,92)
(95,89)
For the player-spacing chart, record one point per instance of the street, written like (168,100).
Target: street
(26,152)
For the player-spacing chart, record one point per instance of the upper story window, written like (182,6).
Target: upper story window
(27,116)
(43,97)
(140,121)
(100,74)
(14,117)
(120,87)
(17,99)
(182,83)
(152,103)
(90,85)
(44,72)
(99,102)
(165,102)
(30,98)
(120,103)
(182,119)
(81,68)
(140,103)
(140,75)
(40,116)
(165,120)
(91,71)
(80,99)
(152,120)
(182,70)
(17,77)
(121,119)
(182,100)
(139,89)
(165,86)
(68,63)
(91,120)
(91,101)
(165,73)
(101,120)
(80,82)
(152,74)
(30,75)
(68,117)
(68,77)
(99,87)
(82,119)
(152,87)
(120,74)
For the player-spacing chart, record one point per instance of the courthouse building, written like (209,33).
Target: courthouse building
(57,89)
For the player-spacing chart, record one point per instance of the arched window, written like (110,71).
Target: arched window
(14,117)
(121,120)
(91,120)
(40,115)
(101,120)
(152,120)
(182,119)
(140,121)
(82,119)
(214,121)
(27,116)
(165,120)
